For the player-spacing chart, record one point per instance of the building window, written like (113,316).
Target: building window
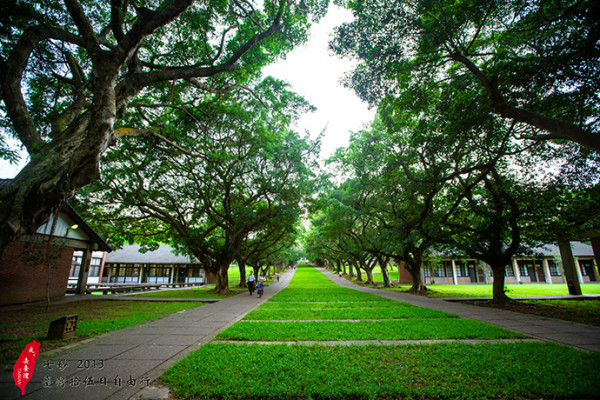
(554,271)
(95,267)
(509,271)
(160,273)
(585,266)
(523,267)
(426,272)
(440,271)
(75,266)
(461,269)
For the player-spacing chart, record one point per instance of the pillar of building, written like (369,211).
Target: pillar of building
(568,264)
(454,273)
(83,271)
(171,279)
(547,271)
(515,267)
(578,270)
(596,248)
(101,273)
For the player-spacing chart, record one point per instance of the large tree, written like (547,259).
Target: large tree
(536,61)
(241,174)
(73,72)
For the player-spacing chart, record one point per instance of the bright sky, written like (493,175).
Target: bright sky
(314,74)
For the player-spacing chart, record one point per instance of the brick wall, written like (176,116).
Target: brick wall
(405,276)
(24,276)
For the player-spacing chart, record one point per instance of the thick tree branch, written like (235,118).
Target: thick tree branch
(135,82)
(148,21)
(552,125)
(85,28)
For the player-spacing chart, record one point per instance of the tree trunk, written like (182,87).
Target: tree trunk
(60,167)
(222,286)
(369,272)
(358,273)
(387,282)
(46,183)
(499,296)
(242,267)
(418,286)
(383,264)
(350,271)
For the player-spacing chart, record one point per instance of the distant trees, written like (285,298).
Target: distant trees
(487,133)
(437,172)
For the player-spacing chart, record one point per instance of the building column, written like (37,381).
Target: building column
(83,271)
(171,280)
(547,271)
(568,264)
(515,267)
(102,267)
(454,273)
(596,248)
(578,269)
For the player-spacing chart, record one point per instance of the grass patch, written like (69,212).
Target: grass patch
(456,371)
(17,328)
(197,293)
(582,311)
(325,295)
(514,290)
(292,305)
(417,329)
(346,313)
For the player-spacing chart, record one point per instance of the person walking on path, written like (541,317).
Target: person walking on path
(251,280)
(277,277)
(261,285)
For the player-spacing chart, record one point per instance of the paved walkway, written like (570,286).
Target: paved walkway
(584,337)
(123,363)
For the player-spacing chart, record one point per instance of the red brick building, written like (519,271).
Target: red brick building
(36,267)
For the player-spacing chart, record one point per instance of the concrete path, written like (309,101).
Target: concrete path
(121,364)
(580,336)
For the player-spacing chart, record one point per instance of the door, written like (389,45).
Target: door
(587,268)
(531,273)
(473,274)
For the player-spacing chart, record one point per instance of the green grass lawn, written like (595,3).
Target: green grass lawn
(514,290)
(441,371)
(196,293)
(409,329)
(308,309)
(356,312)
(17,328)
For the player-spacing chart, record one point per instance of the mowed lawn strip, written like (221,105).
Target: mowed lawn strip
(324,296)
(411,329)
(319,305)
(346,313)
(445,371)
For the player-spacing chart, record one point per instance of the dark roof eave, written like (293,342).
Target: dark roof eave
(102,245)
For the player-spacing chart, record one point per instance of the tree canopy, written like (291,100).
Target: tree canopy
(79,75)
(537,62)
(242,176)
